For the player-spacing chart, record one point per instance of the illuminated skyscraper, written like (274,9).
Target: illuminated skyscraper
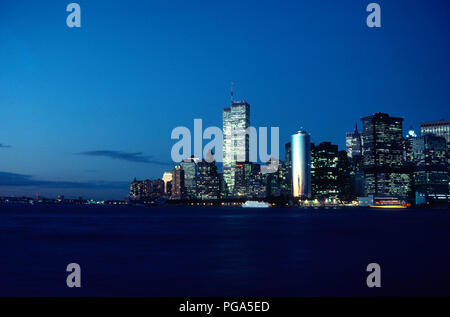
(382,157)
(236,143)
(301,164)
(324,170)
(208,185)
(178,189)
(353,143)
(276,181)
(430,167)
(190,168)
(288,168)
(438,128)
(242,173)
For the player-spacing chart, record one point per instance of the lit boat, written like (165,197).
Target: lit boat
(255,204)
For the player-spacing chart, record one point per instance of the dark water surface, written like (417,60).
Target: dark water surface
(176,251)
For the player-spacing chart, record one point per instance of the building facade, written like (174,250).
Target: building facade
(438,128)
(430,167)
(324,171)
(140,190)
(178,189)
(301,164)
(382,157)
(353,143)
(236,141)
(288,168)
(190,168)
(242,173)
(208,184)
(167,178)
(277,180)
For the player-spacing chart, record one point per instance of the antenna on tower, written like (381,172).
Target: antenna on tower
(232,92)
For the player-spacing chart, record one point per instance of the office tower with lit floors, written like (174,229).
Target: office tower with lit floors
(178,189)
(208,183)
(385,172)
(431,179)
(190,168)
(236,142)
(324,170)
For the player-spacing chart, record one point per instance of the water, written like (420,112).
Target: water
(187,251)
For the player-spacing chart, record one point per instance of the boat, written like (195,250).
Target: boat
(255,204)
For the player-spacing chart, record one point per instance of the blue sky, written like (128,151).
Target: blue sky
(83,111)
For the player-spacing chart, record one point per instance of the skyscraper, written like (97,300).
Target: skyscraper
(257,187)
(301,164)
(236,141)
(382,157)
(288,168)
(353,143)
(430,167)
(347,190)
(178,183)
(208,185)
(324,170)
(438,128)
(190,169)
(242,173)
(276,181)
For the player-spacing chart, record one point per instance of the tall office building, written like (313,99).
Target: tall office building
(190,168)
(288,168)
(242,173)
(236,141)
(301,164)
(276,181)
(257,185)
(208,184)
(438,128)
(178,190)
(430,167)
(353,143)
(407,147)
(324,170)
(346,179)
(382,157)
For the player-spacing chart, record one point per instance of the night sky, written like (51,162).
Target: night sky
(84,111)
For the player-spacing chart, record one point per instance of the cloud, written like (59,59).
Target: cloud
(21,180)
(4,146)
(126,156)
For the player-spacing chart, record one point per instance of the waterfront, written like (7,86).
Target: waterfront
(191,251)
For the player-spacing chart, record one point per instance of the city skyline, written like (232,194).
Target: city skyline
(71,119)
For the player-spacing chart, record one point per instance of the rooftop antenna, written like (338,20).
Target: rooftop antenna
(232,92)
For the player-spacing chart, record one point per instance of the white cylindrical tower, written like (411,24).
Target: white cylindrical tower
(301,164)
